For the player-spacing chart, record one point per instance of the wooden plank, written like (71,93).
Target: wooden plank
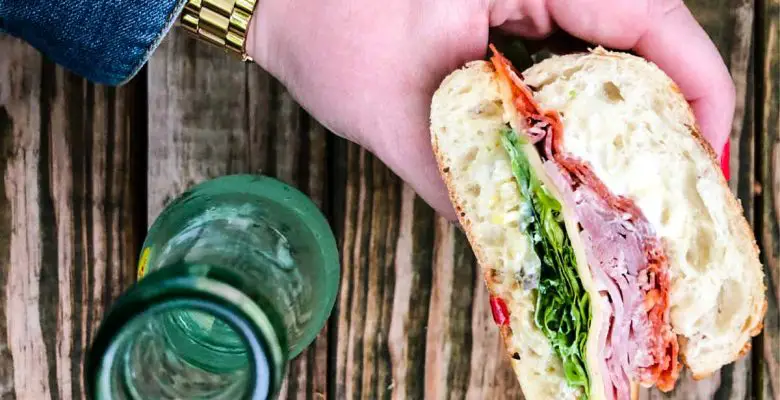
(370,215)
(411,296)
(70,164)
(768,348)
(211,115)
(413,319)
(449,322)
(93,172)
(23,342)
(491,374)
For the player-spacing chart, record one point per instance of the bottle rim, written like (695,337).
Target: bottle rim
(162,291)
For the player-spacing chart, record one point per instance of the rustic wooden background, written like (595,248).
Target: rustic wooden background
(86,167)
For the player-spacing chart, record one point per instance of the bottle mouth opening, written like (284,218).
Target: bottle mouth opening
(184,337)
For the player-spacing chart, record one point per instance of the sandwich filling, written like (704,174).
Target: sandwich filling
(626,258)
(562,310)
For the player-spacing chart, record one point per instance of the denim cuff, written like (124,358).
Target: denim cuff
(105,41)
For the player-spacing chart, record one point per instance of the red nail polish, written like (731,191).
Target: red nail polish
(724,159)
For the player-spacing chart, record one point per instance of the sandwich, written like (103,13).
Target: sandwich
(613,250)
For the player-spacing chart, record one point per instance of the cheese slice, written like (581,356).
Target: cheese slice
(599,307)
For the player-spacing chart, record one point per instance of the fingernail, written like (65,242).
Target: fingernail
(724,159)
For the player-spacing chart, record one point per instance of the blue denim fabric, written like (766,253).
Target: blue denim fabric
(106,41)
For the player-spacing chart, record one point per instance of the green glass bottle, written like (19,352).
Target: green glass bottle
(236,277)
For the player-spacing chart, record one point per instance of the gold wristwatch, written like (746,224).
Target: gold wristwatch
(223,23)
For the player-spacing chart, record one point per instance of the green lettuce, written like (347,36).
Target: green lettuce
(562,304)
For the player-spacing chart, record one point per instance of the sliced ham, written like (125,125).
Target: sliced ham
(627,260)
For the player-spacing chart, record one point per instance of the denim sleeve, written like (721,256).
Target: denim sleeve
(105,41)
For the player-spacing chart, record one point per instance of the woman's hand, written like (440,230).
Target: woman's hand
(366,69)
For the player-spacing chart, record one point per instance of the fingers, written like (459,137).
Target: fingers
(683,50)
(612,23)
(662,31)
(526,18)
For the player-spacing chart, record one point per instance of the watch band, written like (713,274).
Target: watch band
(223,23)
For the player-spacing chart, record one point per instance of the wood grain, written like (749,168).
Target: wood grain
(449,333)
(68,218)
(362,317)
(210,115)
(412,293)
(491,374)
(768,349)
(22,259)
(412,319)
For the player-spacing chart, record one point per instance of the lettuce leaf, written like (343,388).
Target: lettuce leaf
(562,304)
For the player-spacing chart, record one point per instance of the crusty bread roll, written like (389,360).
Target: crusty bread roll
(467,114)
(627,120)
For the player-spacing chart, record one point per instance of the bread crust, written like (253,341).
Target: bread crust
(489,271)
(733,204)
(487,275)
(736,207)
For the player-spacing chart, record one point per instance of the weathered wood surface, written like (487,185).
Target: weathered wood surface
(69,221)
(87,168)
(768,214)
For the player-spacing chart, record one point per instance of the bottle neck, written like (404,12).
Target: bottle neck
(176,334)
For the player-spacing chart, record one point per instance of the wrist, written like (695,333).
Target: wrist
(261,36)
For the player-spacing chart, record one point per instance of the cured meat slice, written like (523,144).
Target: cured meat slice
(627,260)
